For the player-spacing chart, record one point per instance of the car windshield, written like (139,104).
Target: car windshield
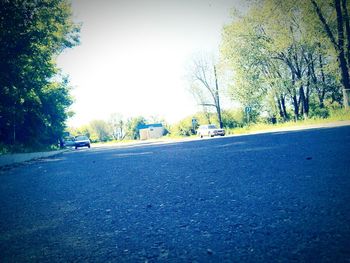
(80,138)
(212,127)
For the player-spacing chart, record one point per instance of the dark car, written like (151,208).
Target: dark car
(81,141)
(68,141)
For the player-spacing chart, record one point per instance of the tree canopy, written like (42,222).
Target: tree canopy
(34,94)
(282,60)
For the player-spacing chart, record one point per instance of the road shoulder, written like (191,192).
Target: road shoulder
(11,159)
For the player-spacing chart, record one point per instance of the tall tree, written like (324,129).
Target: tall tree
(132,127)
(204,84)
(117,125)
(275,51)
(339,37)
(100,130)
(246,48)
(34,98)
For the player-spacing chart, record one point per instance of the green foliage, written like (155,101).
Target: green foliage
(99,131)
(96,130)
(233,118)
(132,127)
(34,98)
(319,113)
(182,128)
(230,118)
(281,59)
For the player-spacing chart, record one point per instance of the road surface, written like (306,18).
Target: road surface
(262,198)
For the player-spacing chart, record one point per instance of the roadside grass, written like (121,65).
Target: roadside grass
(113,142)
(339,115)
(10,149)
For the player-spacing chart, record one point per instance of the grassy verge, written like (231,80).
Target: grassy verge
(9,149)
(113,142)
(339,115)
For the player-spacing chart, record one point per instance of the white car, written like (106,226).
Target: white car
(210,130)
(81,141)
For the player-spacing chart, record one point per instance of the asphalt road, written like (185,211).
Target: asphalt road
(262,198)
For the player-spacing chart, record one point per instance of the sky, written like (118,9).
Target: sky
(133,56)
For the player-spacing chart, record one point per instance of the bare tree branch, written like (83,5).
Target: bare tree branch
(206,77)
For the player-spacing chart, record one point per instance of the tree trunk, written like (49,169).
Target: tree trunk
(312,77)
(296,107)
(338,46)
(346,98)
(347,29)
(14,125)
(322,92)
(218,108)
(341,54)
(295,101)
(301,101)
(279,105)
(307,99)
(284,109)
(207,115)
(307,90)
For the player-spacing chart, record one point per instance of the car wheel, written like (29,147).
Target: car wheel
(76,147)
(89,146)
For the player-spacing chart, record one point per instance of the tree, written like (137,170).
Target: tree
(279,59)
(185,126)
(204,84)
(117,125)
(132,127)
(99,130)
(34,98)
(339,37)
(233,118)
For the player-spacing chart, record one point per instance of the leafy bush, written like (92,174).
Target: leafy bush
(322,113)
(232,118)
(182,128)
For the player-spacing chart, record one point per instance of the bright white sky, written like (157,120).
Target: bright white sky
(133,55)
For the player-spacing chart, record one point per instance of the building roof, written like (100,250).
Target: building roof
(146,126)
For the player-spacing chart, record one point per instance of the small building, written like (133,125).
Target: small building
(151,131)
